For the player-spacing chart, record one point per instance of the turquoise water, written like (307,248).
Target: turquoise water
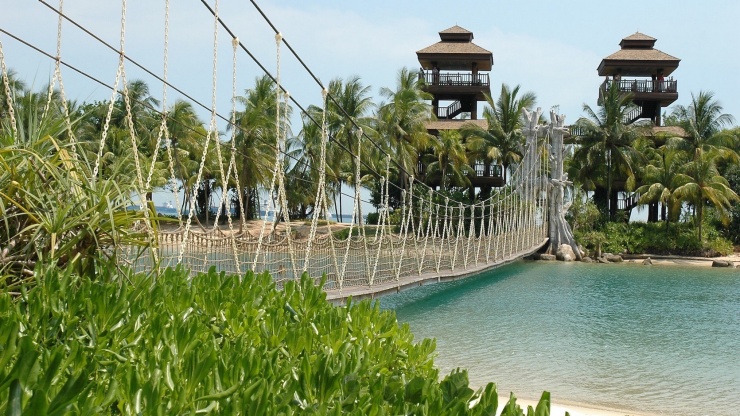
(651,339)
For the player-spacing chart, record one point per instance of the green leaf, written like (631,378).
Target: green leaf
(219,395)
(14,398)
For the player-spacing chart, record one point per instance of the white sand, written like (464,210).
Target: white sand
(557,409)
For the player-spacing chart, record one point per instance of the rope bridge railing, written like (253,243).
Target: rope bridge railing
(432,234)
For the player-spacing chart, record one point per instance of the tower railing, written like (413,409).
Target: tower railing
(643,85)
(455,79)
(450,111)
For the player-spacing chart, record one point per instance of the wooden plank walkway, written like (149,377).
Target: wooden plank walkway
(339,297)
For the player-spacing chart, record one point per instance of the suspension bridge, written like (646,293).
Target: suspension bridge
(436,238)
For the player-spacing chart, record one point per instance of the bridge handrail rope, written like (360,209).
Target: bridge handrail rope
(8,92)
(209,134)
(189,97)
(219,20)
(165,82)
(134,145)
(57,77)
(512,219)
(164,128)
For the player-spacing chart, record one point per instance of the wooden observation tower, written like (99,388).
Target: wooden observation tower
(455,73)
(640,69)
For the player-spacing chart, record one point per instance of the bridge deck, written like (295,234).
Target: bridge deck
(339,297)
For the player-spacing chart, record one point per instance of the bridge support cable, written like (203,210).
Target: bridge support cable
(435,235)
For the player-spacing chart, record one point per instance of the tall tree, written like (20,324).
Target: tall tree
(660,177)
(607,140)
(704,123)
(16,86)
(449,160)
(349,105)
(401,122)
(256,139)
(705,185)
(186,134)
(502,140)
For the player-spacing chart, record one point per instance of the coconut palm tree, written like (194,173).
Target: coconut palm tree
(186,134)
(705,125)
(608,141)
(348,107)
(256,139)
(705,185)
(661,176)
(309,156)
(401,123)
(141,105)
(502,140)
(449,160)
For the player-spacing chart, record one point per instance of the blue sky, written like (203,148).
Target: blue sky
(550,48)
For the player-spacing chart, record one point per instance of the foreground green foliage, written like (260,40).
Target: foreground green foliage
(216,343)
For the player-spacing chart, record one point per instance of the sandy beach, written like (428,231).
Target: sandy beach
(661,260)
(559,409)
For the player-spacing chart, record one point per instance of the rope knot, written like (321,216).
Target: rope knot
(235,42)
(278,37)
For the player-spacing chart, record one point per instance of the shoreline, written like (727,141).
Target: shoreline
(559,407)
(670,260)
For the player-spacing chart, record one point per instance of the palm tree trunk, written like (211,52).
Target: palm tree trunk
(610,208)
(700,214)
(339,219)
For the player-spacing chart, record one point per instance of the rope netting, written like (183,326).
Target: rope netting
(427,234)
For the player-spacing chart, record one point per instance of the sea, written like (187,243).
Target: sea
(661,340)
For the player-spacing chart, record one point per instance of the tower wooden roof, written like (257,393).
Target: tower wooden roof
(638,57)
(455,50)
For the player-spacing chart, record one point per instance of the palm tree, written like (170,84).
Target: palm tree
(704,122)
(502,140)
(186,132)
(141,104)
(348,105)
(450,160)
(401,122)
(661,176)
(256,139)
(608,141)
(140,115)
(704,184)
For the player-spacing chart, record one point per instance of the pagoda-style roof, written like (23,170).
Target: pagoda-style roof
(455,51)
(456,34)
(638,57)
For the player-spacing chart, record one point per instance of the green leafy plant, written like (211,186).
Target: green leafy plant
(216,343)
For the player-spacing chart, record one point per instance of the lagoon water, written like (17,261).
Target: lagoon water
(647,339)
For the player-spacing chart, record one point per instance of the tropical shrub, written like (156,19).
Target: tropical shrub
(52,211)
(356,232)
(655,238)
(372,218)
(181,344)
